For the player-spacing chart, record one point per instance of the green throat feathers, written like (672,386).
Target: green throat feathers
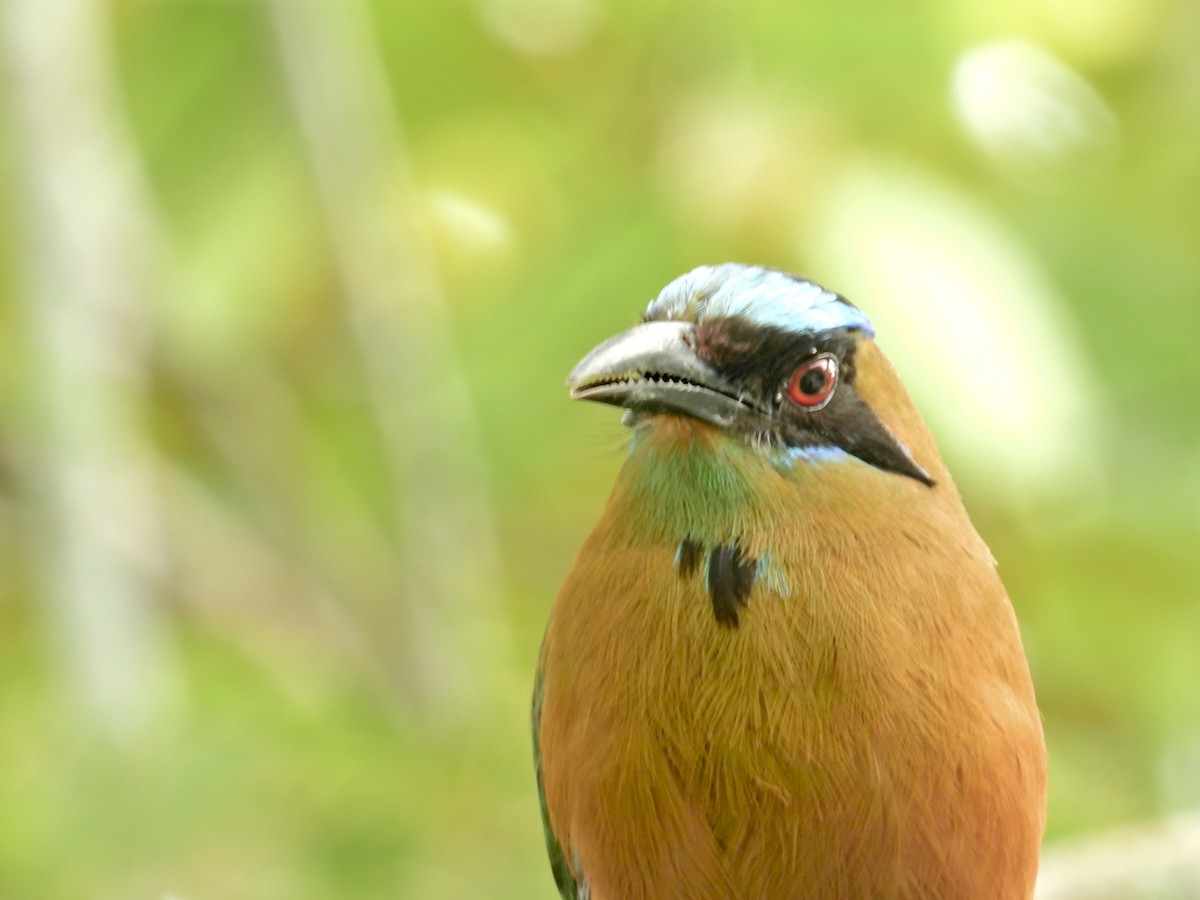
(697,498)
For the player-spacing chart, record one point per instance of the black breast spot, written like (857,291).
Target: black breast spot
(689,557)
(730,579)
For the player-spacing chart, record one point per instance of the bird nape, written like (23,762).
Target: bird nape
(782,665)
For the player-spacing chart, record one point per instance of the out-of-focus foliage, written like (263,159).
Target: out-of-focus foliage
(1008,189)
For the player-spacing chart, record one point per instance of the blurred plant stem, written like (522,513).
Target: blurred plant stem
(446,572)
(88,232)
(262,596)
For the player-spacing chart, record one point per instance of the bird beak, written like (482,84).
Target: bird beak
(654,368)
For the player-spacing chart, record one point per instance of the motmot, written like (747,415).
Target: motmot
(783,664)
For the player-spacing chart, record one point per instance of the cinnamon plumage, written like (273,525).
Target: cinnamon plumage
(783,664)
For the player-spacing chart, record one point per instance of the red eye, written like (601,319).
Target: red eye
(812,384)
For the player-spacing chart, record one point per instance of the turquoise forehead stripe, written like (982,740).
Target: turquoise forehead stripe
(764,296)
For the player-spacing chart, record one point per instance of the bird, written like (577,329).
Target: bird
(782,664)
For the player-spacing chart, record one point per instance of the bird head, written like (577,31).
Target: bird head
(774,362)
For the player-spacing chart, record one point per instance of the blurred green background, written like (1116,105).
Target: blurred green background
(288,475)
